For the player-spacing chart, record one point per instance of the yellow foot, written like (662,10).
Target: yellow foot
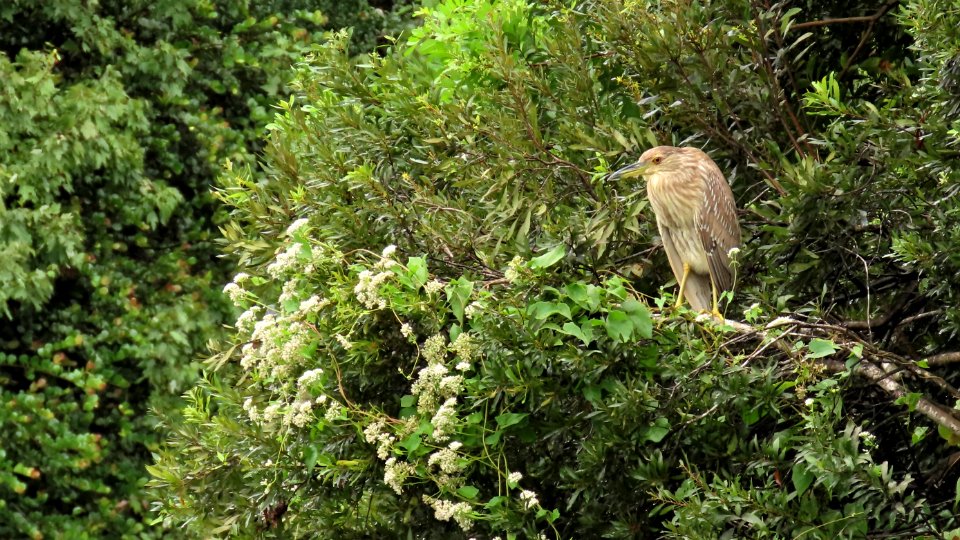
(719,316)
(683,285)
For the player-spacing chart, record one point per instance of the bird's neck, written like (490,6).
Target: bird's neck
(675,197)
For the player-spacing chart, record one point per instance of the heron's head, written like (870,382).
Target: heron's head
(659,159)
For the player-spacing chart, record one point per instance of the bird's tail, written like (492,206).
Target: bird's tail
(698,293)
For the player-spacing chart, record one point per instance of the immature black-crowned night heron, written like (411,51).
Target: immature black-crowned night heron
(697,219)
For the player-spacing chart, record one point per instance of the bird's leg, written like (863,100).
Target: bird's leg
(683,284)
(716,302)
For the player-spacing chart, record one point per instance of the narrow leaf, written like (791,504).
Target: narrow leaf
(549,258)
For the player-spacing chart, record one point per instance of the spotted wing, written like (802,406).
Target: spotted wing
(718,226)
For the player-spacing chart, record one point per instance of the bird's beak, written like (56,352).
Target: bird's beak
(630,171)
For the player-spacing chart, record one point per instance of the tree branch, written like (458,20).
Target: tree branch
(898,306)
(870,19)
(871,367)
(827,22)
(938,413)
(943,359)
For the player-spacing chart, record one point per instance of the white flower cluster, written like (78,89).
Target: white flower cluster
(279,345)
(334,411)
(406,330)
(435,383)
(307,379)
(285,261)
(444,510)
(433,286)
(289,291)
(446,459)
(434,349)
(367,289)
(465,348)
(298,337)
(396,472)
(248,319)
(472,309)
(445,420)
(312,305)
(432,384)
(376,433)
(271,412)
(344,342)
(529,499)
(514,478)
(296,226)
(512,273)
(251,410)
(235,293)
(299,414)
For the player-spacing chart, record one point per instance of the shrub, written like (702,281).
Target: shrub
(514,322)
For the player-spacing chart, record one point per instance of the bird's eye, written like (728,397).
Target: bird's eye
(657,160)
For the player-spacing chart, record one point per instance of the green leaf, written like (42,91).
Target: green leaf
(417,272)
(615,288)
(585,296)
(909,399)
(619,326)
(821,347)
(583,333)
(656,432)
(750,416)
(468,492)
(639,316)
(549,258)
(787,18)
(310,454)
(458,296)
(592,393)
(495,501)
(919,433)
(506,420)
(407,401)
(411,443)
(543,310)
(801,477)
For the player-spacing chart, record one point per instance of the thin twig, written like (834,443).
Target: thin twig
(838,20)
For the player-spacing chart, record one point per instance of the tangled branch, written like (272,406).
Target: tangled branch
(881,368)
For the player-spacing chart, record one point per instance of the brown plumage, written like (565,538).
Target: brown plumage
(697,218)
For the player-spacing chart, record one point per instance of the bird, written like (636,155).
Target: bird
(697,219)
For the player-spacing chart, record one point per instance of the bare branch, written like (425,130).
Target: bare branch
(943,359)
(938,413)
(870,19)
(872,367)
(838,20)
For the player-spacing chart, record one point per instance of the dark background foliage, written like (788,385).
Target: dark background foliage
(117,116)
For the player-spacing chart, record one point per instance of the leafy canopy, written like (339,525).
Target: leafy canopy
(454,327)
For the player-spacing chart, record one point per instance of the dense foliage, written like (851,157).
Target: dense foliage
(454,327)
(116,118)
